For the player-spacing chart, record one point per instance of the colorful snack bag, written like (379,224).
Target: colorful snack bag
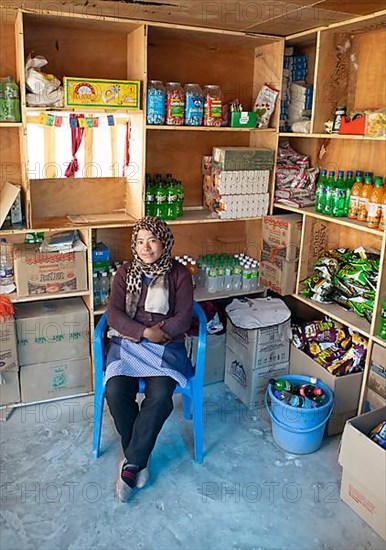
(265,105)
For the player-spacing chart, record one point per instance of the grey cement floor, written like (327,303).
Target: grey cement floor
(248,494)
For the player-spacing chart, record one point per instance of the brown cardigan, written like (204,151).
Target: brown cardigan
(176,322)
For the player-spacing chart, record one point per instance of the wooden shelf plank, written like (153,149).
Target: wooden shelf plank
(207,128)
(39,297)
(335,311)
(379,341)
(200,214)
(331,136)
(309,211)
(11,124)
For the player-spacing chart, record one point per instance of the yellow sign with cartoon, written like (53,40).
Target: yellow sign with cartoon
(95,92)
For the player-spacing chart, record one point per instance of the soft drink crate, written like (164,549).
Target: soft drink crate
(249,384)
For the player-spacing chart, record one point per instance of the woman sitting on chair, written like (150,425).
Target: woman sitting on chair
(150,309)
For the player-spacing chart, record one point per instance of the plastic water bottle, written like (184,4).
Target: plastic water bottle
(220,277)
(212,279)
(246,277)
(254,276)
(236,276)
(96,291)
(228,277)
(7,281)
(104,286)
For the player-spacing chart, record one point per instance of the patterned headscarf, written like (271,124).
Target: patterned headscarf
(158,269)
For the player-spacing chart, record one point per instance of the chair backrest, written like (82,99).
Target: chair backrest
(197,312)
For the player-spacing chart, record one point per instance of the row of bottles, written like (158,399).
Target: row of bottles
(362,199)
(176,106)
(102,284)
(225,272)
(306,396)
(9,100)
(164,197)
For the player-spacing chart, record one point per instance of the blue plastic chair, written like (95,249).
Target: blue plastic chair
(192,394)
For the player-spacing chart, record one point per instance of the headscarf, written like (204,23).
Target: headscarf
(158,289)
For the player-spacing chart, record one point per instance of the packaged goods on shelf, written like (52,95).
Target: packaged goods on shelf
(346,277)
(44,89)
(281,278)
(295,180)
(242,158)
(97,92)
(265,105)
(281,235)
(39,273)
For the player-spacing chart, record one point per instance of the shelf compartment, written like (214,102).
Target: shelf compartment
(331,136)
(310,211)
(349,65)
(335,311)
(39,297)
(207,129)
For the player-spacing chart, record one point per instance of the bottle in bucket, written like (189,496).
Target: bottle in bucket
(281,384)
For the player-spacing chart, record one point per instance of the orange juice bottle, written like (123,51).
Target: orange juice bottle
(365,195)
(375,204)
(354,197)
(383,213)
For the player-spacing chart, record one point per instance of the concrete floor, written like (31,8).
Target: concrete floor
(248,494)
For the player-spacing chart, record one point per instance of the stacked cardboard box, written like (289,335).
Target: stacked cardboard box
(9,366)
(376,383)
(53,349)
(281,237)
(253,356)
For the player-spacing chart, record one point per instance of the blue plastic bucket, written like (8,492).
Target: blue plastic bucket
(298,430)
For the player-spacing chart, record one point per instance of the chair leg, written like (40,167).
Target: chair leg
(198,426)
(186,406)
(98,417)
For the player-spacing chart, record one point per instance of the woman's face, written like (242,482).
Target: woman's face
(148,247)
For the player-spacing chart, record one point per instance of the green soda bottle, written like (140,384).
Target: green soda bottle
(150,205)
(171,210)
(339,197)
(320,192)
(161,201)
(330,189)
(180,199)
(382,323)
(348,183)
(281,384)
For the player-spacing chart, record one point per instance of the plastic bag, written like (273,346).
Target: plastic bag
(45,88)
(265,105)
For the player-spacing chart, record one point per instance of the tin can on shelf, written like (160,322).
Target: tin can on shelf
(340,112)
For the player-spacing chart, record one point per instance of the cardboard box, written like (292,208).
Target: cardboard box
(55,379)
(377,380)
(378,356)
(52,330)
(283,232)
(9,387)
(8,195)
(346,388)
(242,158)
(97,92)
(280,279)
(374,401)
(363,477)
(247,383)
(8,345)
(48,272)
(260,348)
(244,119)
(214,357)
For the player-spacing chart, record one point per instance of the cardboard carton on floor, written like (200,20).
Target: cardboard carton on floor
(214,356)
(346,388)
(249,384)
(364,465)
(51,330)
(374,401)
(9,387)
(8,345)
(284,234)
(260,347)
(39,273)
(55,379)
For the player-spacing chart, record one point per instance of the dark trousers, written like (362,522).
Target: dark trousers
(139,428)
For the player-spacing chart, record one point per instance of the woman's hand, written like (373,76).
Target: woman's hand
(156,335)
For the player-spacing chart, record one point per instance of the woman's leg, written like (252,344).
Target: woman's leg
(155,409)
(121,393)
